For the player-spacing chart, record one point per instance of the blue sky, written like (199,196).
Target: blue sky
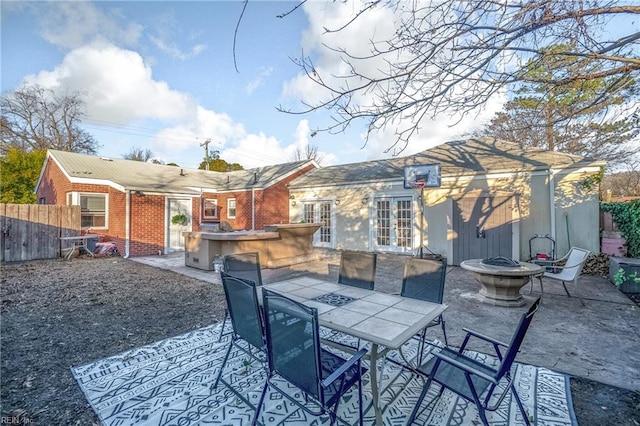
(160,75)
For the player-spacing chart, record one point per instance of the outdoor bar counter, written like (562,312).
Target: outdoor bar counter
(278,245)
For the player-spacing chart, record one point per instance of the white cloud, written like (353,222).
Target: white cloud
(172,49)
(71,24)
(166,28)
(119,89)
(255,150)
(377,25)
(117,84)
(259,80)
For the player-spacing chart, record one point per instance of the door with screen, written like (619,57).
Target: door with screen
(175,239)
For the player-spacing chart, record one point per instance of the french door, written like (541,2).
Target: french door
(320,212)
(393,227)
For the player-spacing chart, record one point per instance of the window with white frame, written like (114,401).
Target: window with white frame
(93,210)
(209,209)
(231,208)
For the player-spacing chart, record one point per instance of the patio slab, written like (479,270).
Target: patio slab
(600,341)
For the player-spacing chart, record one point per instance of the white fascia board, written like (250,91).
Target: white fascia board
(89,181)
(201,189)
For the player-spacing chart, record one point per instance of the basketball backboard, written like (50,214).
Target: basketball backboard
(424,175)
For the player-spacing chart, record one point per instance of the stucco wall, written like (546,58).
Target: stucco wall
(353,221)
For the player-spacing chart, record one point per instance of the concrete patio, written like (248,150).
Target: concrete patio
(600,341)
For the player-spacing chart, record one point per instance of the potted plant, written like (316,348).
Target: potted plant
(180,219)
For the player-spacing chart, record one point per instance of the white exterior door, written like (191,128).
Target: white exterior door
(393,227)
(175,206)
(320,212)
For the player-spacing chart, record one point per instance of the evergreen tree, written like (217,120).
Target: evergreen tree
(19,172)
(587,117)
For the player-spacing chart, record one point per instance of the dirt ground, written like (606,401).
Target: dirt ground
(56,314)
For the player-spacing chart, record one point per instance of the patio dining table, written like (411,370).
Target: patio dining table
(385,320)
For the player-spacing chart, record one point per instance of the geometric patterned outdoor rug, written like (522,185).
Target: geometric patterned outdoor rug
(169,383)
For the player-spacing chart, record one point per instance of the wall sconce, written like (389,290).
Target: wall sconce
(293,203)
(336,202)
(365,200)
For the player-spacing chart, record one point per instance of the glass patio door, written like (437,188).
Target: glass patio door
(320,212)
(393,226)
(175,240)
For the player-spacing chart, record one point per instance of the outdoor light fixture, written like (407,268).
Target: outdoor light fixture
(336,202)
(365,200)
(293,203)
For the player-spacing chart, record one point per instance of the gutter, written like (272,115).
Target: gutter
(253,209)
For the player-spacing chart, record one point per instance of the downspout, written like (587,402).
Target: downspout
(127,223)
(253,202)
(253,209)
(552,205)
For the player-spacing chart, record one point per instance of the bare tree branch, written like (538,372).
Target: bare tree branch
(452,56)
(36,119)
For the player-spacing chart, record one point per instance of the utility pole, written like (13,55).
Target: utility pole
(206,152)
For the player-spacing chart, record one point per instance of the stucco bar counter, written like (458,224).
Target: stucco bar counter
(278,245)
(500,285)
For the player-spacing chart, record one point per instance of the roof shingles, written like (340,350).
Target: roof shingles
(139,176)
(456,158)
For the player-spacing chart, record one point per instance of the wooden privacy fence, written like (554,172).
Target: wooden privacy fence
(33,231)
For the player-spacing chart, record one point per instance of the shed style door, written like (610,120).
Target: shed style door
(483,227)
(320,212)
(394,224)
(175,240)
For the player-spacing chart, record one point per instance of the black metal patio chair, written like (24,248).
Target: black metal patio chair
(245,266)
(357,269)
(247,323)
(424,279)
(294,354)
(471,379)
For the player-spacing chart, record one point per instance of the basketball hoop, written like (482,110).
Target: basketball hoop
(416,184)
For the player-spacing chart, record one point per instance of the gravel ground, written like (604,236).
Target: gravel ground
(56,314)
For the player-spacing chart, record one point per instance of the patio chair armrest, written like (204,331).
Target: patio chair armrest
(545,262)
(577,265)
(464,367)
(344,367)
(485,338)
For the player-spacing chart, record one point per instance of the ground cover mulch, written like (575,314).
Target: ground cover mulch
(55,314)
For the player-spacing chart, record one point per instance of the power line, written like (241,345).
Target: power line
(153,133)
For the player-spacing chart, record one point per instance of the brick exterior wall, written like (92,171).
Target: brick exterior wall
(148,211)
(147,225)
(271,205)
(54,187)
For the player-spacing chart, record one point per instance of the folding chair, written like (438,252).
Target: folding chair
(295,355)
(245,266)
(424,279)
(470,378)
(573,263)
(357,269)
(247,322)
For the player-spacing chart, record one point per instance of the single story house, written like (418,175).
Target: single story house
(144,208)
(483,198)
